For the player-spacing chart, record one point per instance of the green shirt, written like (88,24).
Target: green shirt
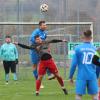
(97,53)
(8,52)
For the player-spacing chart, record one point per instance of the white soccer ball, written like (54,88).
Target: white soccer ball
(44,7)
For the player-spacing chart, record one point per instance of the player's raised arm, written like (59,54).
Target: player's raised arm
(73,66)
(25,46)
(54,41)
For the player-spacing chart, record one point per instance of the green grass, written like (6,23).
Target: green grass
(24,89)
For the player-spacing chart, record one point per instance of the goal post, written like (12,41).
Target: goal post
(21,31)
(50,23)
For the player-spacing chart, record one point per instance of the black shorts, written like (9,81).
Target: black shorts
(9,65)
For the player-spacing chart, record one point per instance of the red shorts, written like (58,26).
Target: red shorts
(47,64)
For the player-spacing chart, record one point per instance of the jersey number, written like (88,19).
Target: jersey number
(87,57)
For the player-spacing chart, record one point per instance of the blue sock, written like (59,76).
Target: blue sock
(7,77)
(35,73)
(15,77)
(48,72)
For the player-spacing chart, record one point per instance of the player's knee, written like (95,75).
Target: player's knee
(57,76)
(78,97)
(34,66)
(40,78)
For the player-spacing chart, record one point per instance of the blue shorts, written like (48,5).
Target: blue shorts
(34,56)
(90,85)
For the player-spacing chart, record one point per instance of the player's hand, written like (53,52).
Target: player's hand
(16,43)
(16,61)
(71,81)
(64,40)
(38,48)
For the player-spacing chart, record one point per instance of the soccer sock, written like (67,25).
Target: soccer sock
(38,84)
(60,80)
(99,94)
(35,73)
(15,76)
(7,77)
(99,88)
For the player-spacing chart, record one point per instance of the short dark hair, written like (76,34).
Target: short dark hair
(40,22)
(88,33)
(7,36)
(37,36)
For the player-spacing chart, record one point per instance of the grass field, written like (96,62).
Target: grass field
(24,88)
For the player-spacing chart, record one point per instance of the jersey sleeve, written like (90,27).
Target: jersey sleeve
(73,65)
(1,52)
(16,52)
(32,39)
(97,53)
(26,46)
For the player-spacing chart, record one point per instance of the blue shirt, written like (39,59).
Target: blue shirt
(83,60)
(41,33)
(8,52)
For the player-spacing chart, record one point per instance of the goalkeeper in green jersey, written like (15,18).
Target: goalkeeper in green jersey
(96,61)
(96,57)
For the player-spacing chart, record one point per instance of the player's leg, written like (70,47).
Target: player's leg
(38,84)
(78,97)
(92,89)
(53,68)
(80,89)
(50,76)
(99,87)
(34,69)
(6,69)
(61,82)
(41,72)
(13,70)
(98,77)
(34,59)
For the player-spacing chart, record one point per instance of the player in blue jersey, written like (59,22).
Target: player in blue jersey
(41,31)
(86,75)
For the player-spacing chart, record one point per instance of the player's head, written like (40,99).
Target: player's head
(38,39)
(87,35)
(7,38)
(42,25)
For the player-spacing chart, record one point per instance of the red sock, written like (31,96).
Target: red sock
(38,84)
(99,95)
(60,80)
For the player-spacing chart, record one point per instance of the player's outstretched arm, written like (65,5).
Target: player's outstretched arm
(25,46)
(95,60)
(55,41)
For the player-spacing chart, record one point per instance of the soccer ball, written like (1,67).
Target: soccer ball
(44,7)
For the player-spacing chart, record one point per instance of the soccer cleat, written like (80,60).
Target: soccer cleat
(51,77)
(65,91)
(37,93)
(6,82)
(41,86)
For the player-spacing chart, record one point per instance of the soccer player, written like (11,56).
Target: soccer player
(46,61)
(41,31)
(86,75)
(9,55)
(96,57)
(96,61)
